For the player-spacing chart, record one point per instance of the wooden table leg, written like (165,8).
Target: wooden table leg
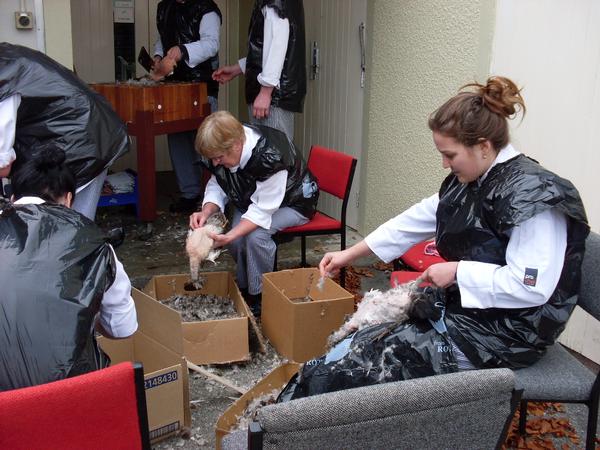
(146,165)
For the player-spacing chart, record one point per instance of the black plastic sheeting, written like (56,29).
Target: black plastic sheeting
(55,269)
(59,110)
(377,354)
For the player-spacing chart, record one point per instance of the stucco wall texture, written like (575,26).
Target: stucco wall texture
(422,52)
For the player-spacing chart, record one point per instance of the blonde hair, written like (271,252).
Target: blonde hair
(470,117)
(217,134)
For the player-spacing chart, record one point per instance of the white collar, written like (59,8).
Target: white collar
(29,201)
(252,138)
(503,155)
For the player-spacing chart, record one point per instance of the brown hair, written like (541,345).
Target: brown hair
(470,117)
(217,134)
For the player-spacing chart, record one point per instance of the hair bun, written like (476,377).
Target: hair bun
(502,96)
(49,158)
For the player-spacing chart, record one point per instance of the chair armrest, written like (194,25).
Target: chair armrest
(382,400)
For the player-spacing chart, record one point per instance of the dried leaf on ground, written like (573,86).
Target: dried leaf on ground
(353,282)
(541,429)
(363,271)
(383,267)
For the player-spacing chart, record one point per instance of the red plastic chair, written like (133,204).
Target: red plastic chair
(416,258)
(105,409)
(334,172)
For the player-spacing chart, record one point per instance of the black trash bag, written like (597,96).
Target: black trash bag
(55,269)
(378,354)
(58,110)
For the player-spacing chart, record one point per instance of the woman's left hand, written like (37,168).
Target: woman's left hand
(442,274)
(221,240)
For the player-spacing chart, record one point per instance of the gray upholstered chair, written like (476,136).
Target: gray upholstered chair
(462,410)
(559,376)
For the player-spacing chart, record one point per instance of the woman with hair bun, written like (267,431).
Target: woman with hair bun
(512,234)
(61,280)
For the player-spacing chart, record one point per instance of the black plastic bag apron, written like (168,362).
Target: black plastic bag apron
(55,267)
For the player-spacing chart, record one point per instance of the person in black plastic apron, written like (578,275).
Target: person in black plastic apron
(45,105)
(274,67)
(513,236)
(187,50)
(61,280)
(260,171)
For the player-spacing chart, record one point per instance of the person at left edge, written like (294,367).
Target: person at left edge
(61,280)
(45,105)
(187,50)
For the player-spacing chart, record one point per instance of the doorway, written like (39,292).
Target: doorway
(333,109)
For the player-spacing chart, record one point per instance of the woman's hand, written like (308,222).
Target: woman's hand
(221,240)
(332,262)
(163,68)
(197,220)
(5,171)
(175,53)
(262,103)
(441,275)
(226,73)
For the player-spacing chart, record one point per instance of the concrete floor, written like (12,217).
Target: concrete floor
(160,250)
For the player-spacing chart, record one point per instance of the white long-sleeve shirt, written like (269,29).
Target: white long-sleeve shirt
(268,195)
(117,313)
(203,49)
(538,243)
(275,42)
(8,124)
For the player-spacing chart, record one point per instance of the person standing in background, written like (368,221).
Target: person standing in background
(187,50)
(274,66)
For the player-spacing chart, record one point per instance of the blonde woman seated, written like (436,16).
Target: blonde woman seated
(260,171)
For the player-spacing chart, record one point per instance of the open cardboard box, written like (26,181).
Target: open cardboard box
(157,344)
(211,341)
(299,330)
(276,379)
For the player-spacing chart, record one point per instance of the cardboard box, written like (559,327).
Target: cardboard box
(276,379)
(299,330)
(157,344)
(210,341)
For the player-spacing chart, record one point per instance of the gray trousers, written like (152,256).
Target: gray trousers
(86,200)
(278,118)
(183,156)
(255,252)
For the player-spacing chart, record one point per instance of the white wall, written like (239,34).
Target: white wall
(420,53)
(552,49)
(51,33)
(9,33)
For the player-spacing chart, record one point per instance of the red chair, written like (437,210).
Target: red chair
(105,409)
(418,257)
(334,172)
